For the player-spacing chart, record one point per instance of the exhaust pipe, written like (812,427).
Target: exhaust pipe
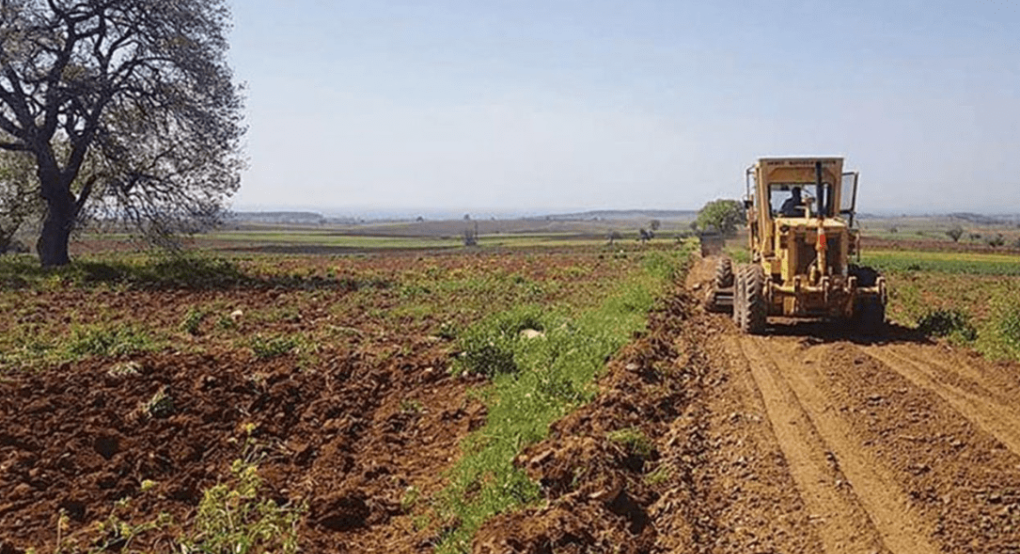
(821,245)
(820,189)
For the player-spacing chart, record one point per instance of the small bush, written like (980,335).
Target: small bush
(947,322)
(489,348)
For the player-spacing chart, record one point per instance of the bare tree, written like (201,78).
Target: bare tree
(128,108)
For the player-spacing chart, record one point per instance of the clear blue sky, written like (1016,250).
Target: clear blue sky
(530,106)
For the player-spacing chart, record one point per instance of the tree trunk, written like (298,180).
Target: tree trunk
(56,230)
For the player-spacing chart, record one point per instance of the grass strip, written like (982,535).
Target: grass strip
(543,364)
(943,262)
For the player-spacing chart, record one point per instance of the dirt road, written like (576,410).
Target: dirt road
(803,440)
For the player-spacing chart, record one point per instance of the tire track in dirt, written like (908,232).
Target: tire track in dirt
(965,369)
(962,481)
(985,409)
(915,472)
(746,483)
(861,508)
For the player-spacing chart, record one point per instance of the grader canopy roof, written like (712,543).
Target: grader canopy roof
(776,180)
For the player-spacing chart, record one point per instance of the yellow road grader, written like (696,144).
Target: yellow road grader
(801,236)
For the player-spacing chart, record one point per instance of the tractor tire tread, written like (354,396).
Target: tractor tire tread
(724,273)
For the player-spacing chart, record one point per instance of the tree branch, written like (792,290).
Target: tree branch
(83,196)
(14,147)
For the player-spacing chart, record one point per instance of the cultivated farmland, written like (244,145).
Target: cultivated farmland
(571,397)
(131,388)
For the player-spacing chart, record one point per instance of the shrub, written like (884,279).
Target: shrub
(489,347)
(947,322)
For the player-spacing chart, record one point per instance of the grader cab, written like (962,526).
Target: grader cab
(801,237)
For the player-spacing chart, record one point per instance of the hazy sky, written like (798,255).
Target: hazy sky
(530,106)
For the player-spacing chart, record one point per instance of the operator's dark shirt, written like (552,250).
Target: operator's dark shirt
(791,207)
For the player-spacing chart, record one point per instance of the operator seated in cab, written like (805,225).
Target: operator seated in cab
(792,206)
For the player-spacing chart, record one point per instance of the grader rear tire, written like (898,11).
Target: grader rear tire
(740,297)
(724,273)
(869,317)
(756,303)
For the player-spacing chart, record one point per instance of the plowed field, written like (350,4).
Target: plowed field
(332,375)
(807,439)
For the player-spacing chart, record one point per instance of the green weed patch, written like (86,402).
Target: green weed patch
(266,348)
(999,336)
(111,341)
(233,517)
(954,324)
(943,262)
(543,365)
